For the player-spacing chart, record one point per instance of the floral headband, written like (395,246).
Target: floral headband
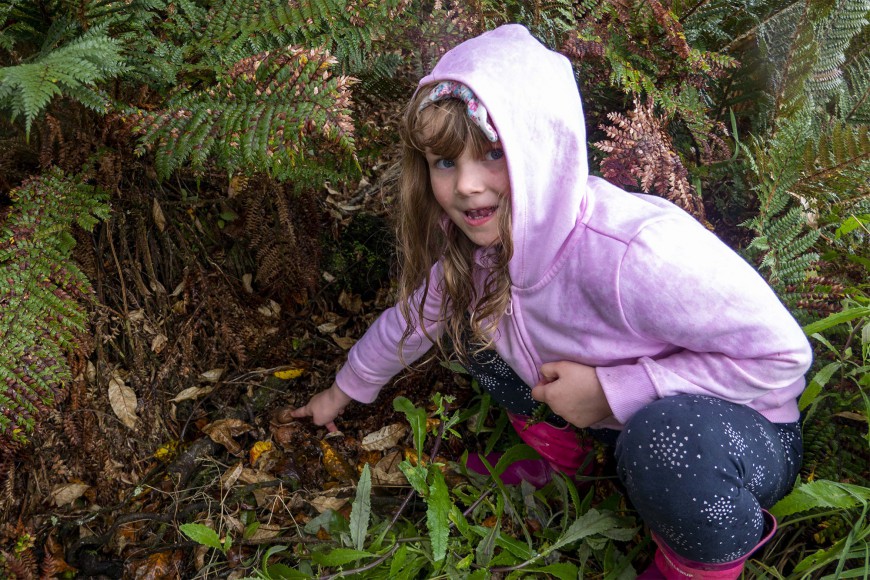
(456,90)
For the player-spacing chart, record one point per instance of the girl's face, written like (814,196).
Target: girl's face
(470,188)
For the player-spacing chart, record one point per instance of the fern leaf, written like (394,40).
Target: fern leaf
(264,116)
(73,69)
(855,103)
(833,37)
(42,299)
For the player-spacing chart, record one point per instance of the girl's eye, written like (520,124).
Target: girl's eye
(494,154)
(444,164)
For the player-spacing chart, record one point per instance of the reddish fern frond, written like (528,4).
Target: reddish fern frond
(640,151)
(579,49)
(673,29)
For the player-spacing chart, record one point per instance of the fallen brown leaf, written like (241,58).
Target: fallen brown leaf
(160,566)
(345,342)
(231,475)
(123,401)
(67,493)
(157,214)
(387,471)
(322,503)
(191,393)
(222,431)
(384,438)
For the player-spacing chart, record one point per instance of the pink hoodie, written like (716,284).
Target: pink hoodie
(624,282)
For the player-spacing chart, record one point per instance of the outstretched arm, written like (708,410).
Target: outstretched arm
(324,407)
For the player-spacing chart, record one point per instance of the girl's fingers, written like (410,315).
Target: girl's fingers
(300,412)
(539,392)
(331,427)
(549,372)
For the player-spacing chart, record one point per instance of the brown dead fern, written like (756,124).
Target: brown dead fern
(640,152)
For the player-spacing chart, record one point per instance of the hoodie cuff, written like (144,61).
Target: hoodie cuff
(628,389)
(355,386)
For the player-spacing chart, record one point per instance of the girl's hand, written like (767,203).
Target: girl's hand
(324,407)
(573,392)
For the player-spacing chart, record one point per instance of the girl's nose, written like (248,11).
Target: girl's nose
(469,180)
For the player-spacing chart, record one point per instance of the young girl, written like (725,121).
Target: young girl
(617,310)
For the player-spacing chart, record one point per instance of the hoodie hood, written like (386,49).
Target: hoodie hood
(533,101)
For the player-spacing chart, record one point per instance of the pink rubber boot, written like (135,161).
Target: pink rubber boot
(561,449)
(668,565)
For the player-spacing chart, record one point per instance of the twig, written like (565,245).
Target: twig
(373,564)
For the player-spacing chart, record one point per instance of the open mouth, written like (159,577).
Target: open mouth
(481,213)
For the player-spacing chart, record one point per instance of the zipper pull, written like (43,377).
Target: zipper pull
(510,307)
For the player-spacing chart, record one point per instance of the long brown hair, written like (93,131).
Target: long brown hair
(425,235)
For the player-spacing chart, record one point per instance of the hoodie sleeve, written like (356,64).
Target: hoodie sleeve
(723,331)
(374,359)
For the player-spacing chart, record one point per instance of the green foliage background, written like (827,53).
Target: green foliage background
(754,115)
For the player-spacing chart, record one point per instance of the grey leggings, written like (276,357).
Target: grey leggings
(699,469)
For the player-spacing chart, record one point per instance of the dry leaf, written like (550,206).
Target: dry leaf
(212,376)
(67,493)
(345,342)
(158,343)
(247,280)
(54,564)
(336,465)
(270,310)
(265,531)
(160,566)
(412,457)
(250,476)
(387,471)
(223,430)
(178,289)
(123,401)
(851,415)
(231,475)
(270,498)
(232,523)
(157,214)
(350,302)
(370,457)
(259,448)
(199,556)
(384,438)
(238,183)
(490,522)
(327,328)
(322,503)
(191,393)
(136,315)
(288,374)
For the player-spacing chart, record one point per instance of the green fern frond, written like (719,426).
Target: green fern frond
(265,116)
(42,298)
(72,69)
(836,165)
(854,105)
(834,35)
(788,44)
(346,29)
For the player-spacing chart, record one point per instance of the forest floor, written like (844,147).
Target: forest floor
(180,413)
